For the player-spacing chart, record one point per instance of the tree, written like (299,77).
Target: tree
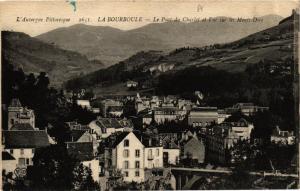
(83,179)
(52,168)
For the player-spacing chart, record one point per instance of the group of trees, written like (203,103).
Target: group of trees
(33,92)
(113,74)
(50,106)
(257,84)
(53,168)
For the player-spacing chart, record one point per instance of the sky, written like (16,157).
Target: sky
(10,10)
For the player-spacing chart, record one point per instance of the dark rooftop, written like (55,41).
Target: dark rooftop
(22,127)
(215,109)
(76,134)
(7,156)
(81,151)
(25,139)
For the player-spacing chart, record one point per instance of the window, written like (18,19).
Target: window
(150,154)
(11,151)
(157,152)
(137,153)
(137,173)
(126,174)
(21,161)
(137,164)
(126,143)
(126,153)
(126,164)
(27,161)
(156,163)
(22,151)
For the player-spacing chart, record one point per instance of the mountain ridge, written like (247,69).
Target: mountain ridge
(111,45)
(274,43)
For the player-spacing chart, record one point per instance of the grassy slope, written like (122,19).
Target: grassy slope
(33,55)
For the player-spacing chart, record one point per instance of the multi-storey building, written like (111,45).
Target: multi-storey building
(104,127)
(19,114)
(223,136)
(246,108)
(163,114)
(282,137)
(142,104)
(132,154)
(171,153)
(109,105)
(21,144)
(202,116)
(153,154)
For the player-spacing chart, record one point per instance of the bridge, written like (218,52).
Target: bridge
(186,177)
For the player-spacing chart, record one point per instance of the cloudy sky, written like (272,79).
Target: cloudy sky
(9,11)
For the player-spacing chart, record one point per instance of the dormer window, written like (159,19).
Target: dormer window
(126,143)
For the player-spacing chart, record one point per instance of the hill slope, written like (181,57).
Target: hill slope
(112,45)
(33,55)
(273,44)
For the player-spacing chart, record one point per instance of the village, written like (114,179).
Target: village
(143,140)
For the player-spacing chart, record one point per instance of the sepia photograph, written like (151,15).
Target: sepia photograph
(149,95)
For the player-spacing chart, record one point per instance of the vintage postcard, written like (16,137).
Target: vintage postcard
(149,95)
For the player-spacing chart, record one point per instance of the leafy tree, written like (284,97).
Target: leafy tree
(83,179)
(52,168)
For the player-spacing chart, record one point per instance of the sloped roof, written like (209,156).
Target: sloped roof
(171,145)
(76,134)
(7,156)
(83,151)
(113,140)
(15,103)
(108,123)
(22,126)
(25,139)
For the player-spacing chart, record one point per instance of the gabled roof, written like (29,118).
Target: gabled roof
(82,151)
(108,123)
(22,127)
(76,134)
(171,145)
(113,140)
(7,156)
(25,139)
(15,103)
